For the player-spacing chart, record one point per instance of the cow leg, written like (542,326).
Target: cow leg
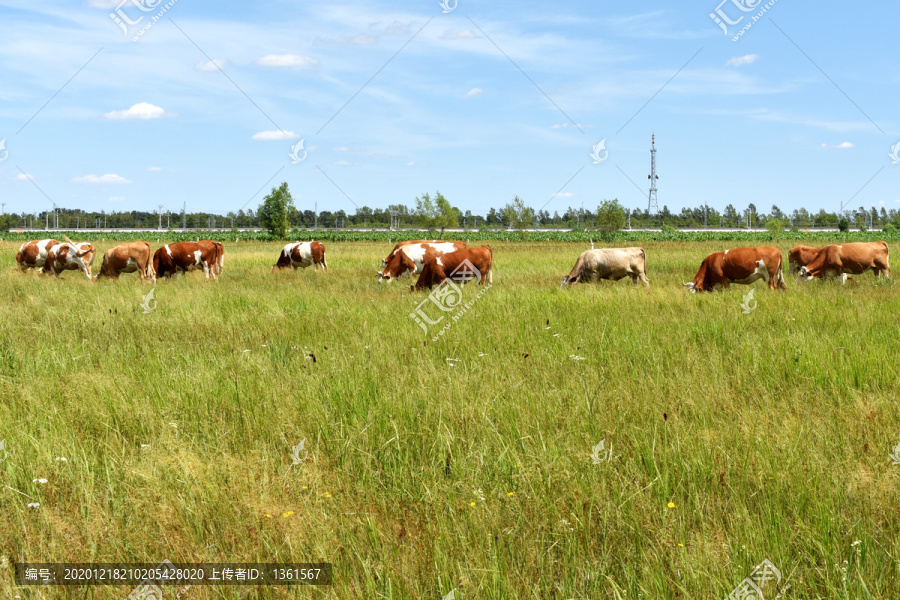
(206,270)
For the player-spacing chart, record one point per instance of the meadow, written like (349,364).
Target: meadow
(464,463)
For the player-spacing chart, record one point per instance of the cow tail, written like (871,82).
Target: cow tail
(151,272)
(324,262)
(780,274)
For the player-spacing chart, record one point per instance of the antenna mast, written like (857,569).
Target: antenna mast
(652,203)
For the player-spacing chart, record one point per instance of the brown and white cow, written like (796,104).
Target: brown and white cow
(800,256)
(461,266)
(609,263)
(128,258)
(740,265)
(70,257)
(186,256)
(33,254)
(840,259)
(384,261)
(411,258)
(219,249)
(302,254)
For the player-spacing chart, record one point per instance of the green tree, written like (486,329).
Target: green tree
(610,218)
(436,213)
(275,210)
(775,227)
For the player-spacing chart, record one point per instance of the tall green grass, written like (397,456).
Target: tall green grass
(769,432)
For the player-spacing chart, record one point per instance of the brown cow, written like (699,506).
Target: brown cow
(128,258)
(740,265)
(461,266)
(302,254)
(70,257)
(411,258)
(219,249)
(33,254)
(384,261)
(800,256)
(186,256)
(840,259)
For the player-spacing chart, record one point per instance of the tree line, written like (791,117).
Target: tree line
(278,214)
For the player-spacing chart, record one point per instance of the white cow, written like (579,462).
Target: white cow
(70,257)
(609,263)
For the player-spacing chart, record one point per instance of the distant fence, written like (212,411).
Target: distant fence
(531,235)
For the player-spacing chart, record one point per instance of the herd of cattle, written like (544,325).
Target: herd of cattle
(436,260)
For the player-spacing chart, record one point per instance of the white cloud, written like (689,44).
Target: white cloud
(411,163)
(881,202)
(737,61)
(473,92)
(212,65)
(287,60)
(141,110)
(841,146)
(463,34)
(116,198)
(23,177)
(108,178)
(563,195)
(274,135)
(154,169)
(104,3)
(343,149)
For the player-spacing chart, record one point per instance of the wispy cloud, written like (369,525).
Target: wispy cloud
(141,110)
(287,60)
(24,177)
(154,169)
(211,65)
(841,146)
(737,61)
(274,135)
(108,178)
(473,92)
(462,34)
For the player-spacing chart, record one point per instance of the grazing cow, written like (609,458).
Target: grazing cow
(69,257)
(840,259)
(219,249)
(34,254)
(384,261)
(128,258)
(411,258)
(454,265)
(740,265)
(609,263)
(186,256)
(800,256)
(302,254)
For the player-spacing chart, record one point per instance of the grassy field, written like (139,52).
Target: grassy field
(462,463)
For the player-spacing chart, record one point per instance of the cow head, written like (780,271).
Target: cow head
(804,275)
(398,263)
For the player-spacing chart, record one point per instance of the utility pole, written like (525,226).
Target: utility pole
(160,216)
(316,211)
(652,201)
(705,210)
(184,216)
(2,208)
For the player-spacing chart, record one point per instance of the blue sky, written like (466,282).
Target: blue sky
(799,111)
